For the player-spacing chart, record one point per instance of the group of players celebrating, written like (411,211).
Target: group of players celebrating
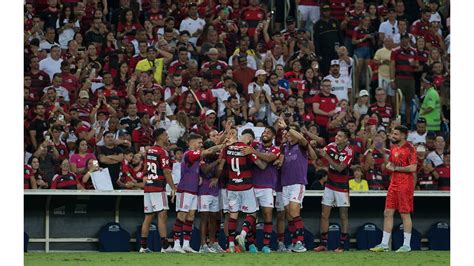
(240,175)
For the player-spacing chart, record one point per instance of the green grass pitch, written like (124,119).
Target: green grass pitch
(304,259)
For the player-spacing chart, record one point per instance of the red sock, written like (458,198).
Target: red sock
(249,224)
(232,228)
(177,229)
(187,230)
(292,229)
(267,233)
(299,228)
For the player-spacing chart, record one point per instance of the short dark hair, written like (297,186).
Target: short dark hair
(402,129)
(248,131)
(272,129)
(346,132)
(158,132)
(194,136)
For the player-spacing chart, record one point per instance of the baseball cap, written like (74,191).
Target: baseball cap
(372,121)
(363,93)
(420,148)
(82,129)
(334,62)
(83,94)
(326,7)
(213,51)
(210,112)
(123,132)
(260,72)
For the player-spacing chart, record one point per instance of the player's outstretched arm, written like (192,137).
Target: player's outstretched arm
(261,164)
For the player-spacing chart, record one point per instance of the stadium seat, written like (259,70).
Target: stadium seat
(439,236)
(113,238)
(153,240)
(25,245)
(334,235)
(368,236)
(273,239)
(397,238)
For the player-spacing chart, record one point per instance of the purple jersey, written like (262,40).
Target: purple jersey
(267,177)
(204,188)
(190,172)
(295,166)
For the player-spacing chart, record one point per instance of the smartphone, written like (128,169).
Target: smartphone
(47,138)
(56,104)
(61,117)
(338,109)
(95,163)
(142,149)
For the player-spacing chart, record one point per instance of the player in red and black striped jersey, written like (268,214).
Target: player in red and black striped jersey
(336,192)
(236,167)
(157,175)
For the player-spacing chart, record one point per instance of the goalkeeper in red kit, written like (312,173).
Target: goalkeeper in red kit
(402,163)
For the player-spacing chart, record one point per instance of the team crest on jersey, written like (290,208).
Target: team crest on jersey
(333,101)
(40,77)
(260,15)
(387,111)
(396,154)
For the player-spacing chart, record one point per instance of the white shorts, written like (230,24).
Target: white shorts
(242,201)
(385,84)
(155,202)
(293,193)
(208,203)
(279,202)
(264,197)
(186,202)
(309,13)
(223,201)
(334,198)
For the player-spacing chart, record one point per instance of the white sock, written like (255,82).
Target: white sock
(185,243)
(231,244)
(177,243)
(406,239)
(243,233)
(385,238)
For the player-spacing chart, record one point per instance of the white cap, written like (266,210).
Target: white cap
(334,62)
(363,93)
(420,148)
(260,72)
(210,111)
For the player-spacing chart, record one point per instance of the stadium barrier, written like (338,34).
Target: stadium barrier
(71,219)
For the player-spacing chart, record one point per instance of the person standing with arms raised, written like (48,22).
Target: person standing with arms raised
(402,163)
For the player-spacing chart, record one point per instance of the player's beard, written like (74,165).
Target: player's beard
(395,141)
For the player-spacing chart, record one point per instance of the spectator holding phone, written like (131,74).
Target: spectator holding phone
(92,165)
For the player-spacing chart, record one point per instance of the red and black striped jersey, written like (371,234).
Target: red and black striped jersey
(402,57)
(422,56)
(385,112)
(426,181)
(339,9)
(252,16)
(67,181)
(339,181)
(238,167)
(376,179)
(357,146)
(156,161)
(354,19)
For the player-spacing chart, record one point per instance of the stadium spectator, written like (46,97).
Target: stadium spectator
(65,179)
(358,183)
(110,156)
(430,109)
(419,135)
(52,64)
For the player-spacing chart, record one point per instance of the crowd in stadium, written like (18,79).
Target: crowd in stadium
(101,76)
